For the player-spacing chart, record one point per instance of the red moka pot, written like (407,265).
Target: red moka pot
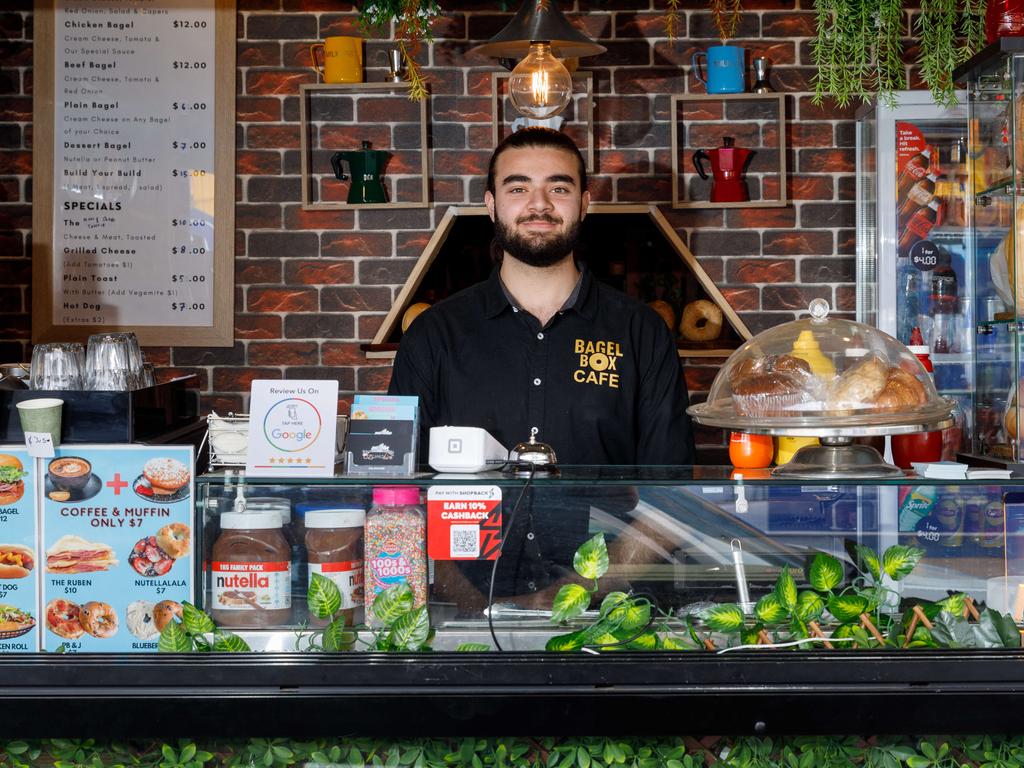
(727,164)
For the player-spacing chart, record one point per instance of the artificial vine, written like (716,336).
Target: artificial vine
(956,751)
(858,47)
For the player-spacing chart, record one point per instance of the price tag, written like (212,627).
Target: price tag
(926,256)
(464,522)
(40,445)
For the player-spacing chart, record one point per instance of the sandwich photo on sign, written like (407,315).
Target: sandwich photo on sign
(73,554)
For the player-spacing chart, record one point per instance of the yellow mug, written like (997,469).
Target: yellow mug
(342,59)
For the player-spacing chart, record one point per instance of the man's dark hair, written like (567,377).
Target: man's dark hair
(538,137)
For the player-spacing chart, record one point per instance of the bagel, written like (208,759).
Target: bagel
(99,619)
(174,539)
(164,612)
(414,311)
(664,309)
(64,619)
(702,321)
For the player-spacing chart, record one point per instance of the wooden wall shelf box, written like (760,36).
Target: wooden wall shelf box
(315,167)
(729,126)
(734,333)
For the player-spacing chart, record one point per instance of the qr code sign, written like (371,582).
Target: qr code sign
(465,540)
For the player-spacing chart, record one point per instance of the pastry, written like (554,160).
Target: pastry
(702,321)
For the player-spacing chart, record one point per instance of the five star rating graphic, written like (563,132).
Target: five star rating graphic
(290,461)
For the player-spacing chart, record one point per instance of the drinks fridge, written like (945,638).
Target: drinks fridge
(914,269)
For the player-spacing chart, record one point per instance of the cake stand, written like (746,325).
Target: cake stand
(838,457)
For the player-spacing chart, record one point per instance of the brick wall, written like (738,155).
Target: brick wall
(312,285)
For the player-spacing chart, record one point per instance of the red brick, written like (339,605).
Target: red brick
(281,26)
(335,23)
(811,134)
(643,189)
(164,373)
(803,187)
(461,163)
(352,136)
(750,271)
(793,297)
(257,216)
(257,109)
(16,162)
(846,298)
(742,299)
(319,272)
(261,82)
(283,353)
(827,160)
(646,25)
(252,54)
(296,218)
(348,244)
(257,326)
(777,53)
(828,110)
(760,218)
(387,109)
(355,299)
(282,300)
(222,404)
(252,162)
(710,134)
(272,136)
(334,353)
(240,379)
(788,25)
(373,379)
(461,109)
(797,242)
(369,325)
(252,271)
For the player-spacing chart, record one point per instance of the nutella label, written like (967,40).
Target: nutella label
(252,586)
(347,575)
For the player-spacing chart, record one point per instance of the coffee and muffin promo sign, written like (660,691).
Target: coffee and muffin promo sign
(110,543)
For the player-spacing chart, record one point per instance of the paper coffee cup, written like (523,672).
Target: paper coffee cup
(41,415)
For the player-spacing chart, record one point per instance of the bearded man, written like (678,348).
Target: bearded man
(541,345)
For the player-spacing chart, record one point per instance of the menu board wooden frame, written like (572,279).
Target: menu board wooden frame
(221,332)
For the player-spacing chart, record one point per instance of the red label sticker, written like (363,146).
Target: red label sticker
(464,522)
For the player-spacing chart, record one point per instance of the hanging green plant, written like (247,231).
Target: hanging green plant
(412,20)
(858,47)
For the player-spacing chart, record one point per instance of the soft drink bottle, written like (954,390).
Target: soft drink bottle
(944,309)
(915,169)
(918,227)
(918,196)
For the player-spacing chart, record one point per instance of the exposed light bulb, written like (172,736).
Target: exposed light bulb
(540,86)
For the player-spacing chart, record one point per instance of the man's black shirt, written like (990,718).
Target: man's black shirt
(601,381)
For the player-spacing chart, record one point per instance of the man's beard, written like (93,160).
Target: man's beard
(539,250)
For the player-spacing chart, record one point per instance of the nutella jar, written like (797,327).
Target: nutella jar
(251,572)
(334,543)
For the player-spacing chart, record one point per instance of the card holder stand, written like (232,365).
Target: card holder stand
(381,447)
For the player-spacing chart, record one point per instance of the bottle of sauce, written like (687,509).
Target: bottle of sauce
(334,543)
(251,572)
(917,446)
(396,545)
(806,348)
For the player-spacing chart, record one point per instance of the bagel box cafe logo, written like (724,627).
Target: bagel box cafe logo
(298,423)
(598,362)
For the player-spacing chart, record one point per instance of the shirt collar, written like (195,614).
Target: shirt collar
(583,298)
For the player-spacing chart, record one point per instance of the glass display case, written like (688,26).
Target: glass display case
(625,599)
(995,83)
(914,268)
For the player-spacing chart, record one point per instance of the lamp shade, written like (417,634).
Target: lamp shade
(539,20)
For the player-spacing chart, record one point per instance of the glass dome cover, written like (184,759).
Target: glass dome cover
(825,373)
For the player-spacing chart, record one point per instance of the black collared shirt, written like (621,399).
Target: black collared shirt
(601,381)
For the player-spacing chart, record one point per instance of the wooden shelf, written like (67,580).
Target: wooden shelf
(728,127)
(310,144)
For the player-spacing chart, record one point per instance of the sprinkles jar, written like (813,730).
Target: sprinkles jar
(395,545)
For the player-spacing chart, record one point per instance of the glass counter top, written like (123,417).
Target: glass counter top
(595,475)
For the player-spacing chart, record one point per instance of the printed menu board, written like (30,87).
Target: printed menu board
(133,149)
(116,545)
(19,571)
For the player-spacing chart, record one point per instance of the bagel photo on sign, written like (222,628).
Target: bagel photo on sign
(163,480)
(154,555)
(12,486)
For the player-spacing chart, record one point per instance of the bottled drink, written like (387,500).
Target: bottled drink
(918,196)
(950,516)
(917,446)
(944,309)
(915,169)
(910,286)
(918,227)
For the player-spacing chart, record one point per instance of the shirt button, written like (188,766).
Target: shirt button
(531,585)
(540,336)
(536,382)
(515,309)
(529,535)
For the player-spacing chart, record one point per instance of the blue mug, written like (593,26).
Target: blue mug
(725,65)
